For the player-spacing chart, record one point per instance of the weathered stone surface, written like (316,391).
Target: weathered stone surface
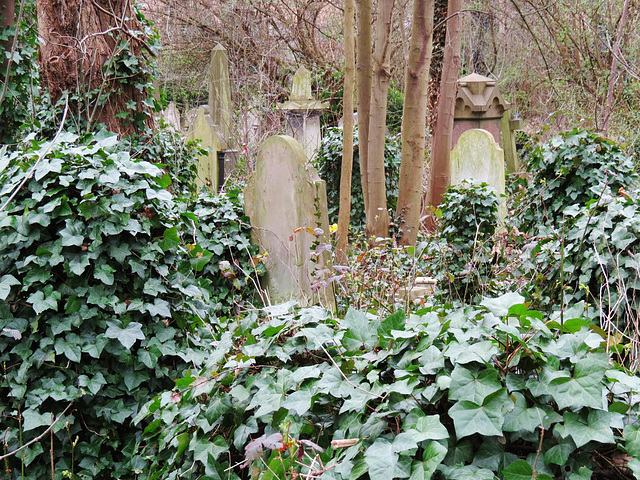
(286,200)
(302,113)
(204,130)
(508,128)
(171,116)
(477,157)
(220,94)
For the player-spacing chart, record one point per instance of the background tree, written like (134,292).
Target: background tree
(364,78)
(377,214)
(94,52)
(440,171)
(347,147)
(414,117)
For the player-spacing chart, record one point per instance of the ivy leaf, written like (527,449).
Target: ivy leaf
(381,460)
(595,428)
(205,450)
(500,306)
(361,332)
(34,419)
(6,282)
(298,402)
(432,455)
(518,470)
(44,300)
(104,273)
(126,336)
(394,321)
(584,388)
(468,472)
(485,419)
(472,384)
(632,440)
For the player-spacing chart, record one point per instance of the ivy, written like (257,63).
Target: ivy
(489,391)
(109,290)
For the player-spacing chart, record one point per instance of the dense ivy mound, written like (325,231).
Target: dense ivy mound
(491,391)
(583,215)
(108,285)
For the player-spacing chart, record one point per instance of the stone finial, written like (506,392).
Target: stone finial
(479,98)
(301,88)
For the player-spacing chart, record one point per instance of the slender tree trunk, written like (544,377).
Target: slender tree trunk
(79,42)
(414,122)
(440,175)
(614,66)
(347,129)
(377,214)
(363,82)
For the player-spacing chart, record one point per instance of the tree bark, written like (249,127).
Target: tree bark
(347,129)
(79,42)
(363,82)
(614,67)
(377,214)
(414,122)
(440,175)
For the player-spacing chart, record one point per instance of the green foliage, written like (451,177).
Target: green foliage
(329,164)
(108,288)
(468,223)
(582,213)
(494,390)
(21,83)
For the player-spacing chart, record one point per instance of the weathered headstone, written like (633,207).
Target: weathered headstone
(204,130)
(171,116)
(220,92)
(302,113)
(287,203)
(477,157)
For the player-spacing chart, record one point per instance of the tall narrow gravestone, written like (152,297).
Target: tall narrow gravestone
(220,92)
(287,203)
(204,130)
(477,157)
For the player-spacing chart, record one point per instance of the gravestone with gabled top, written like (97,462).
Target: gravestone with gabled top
(286,202)
(302,113)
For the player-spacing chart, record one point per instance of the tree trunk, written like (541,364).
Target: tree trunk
(441,147)
(377,214)
(414,122)
(94,50)
(347,129)
(614,67)
(363,82)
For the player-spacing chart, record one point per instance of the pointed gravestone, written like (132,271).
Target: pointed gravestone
(303,112)
(220,92)
(477,157)
(204,130)
(287,203)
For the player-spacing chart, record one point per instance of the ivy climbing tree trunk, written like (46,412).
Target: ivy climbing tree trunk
(347,145)
(363,82)
(414,122)
(377,214)
(94,50)
(440,174)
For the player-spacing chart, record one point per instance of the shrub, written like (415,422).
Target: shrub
(108,286)
(467,225)
(581,211)
(329,164)
(493,390)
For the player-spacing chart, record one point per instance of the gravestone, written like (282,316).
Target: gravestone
(220,93)
(508,128)
(477,157)
(204,130)
(286,202)
(302,113)
(171,116)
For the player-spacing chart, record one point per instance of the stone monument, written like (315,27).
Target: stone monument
(477,157)
(302,113)
(479,104)
(287,203)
